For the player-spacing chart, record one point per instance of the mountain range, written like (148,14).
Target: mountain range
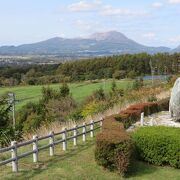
(98,44)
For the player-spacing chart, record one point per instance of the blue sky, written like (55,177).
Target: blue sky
(151,22)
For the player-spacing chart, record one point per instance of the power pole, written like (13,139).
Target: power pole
(12,103)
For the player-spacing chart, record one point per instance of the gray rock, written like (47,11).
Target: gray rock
(174,105)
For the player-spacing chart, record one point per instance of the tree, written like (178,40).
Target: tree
(119,74)
(64,90)
(6,130)
(114,86)
(99,94)
(4,114)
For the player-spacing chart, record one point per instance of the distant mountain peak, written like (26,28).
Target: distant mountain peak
(110,35)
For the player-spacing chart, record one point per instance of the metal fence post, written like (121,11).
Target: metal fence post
(35,148)
(64,137)
(142,119)
(92,129)
(14,155)
(75,135)
(84,132)
(51,143)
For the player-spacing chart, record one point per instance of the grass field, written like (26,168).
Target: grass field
(78,90)
(79,163)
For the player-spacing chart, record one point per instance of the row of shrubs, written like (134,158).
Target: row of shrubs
(115,147)
(158,145)
(133,112)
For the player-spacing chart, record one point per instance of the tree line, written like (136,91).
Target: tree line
(117,67)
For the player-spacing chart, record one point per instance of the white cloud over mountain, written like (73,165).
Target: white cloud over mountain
(103,9)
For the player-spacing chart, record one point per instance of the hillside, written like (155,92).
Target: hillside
(98,44)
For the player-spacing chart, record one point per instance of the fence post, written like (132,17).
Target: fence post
(84,132)
(64,137)
(14,155)
(92,129)
(151,122)
(51,143)
(142,119)
(75,135)
(35,148)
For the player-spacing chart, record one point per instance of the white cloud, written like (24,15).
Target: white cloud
(157,4)
(102,9)
(174,1)
(111,11)
(149,35)
(175,39)
(83,6)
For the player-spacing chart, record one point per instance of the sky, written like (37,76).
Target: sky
(150,22)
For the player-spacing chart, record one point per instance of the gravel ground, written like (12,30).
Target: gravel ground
(158,119)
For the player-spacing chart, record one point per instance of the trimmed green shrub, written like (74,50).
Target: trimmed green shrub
(113,146)
(158,145)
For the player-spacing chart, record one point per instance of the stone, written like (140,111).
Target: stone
(174,105)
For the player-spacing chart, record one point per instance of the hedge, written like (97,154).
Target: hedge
(132,113)
(113,146)
(158,145)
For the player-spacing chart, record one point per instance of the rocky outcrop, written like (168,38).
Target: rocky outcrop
(174,106)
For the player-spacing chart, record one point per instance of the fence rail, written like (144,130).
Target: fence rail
(86,128)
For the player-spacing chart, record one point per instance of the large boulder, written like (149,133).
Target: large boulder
(174,105)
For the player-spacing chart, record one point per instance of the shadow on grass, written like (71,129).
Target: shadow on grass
(139,169)
(44,165)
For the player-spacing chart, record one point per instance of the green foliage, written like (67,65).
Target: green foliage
(7,133)
(4,113)
(113,147)
(113,86)
(158,145)
(76,114)
(64,90)
(54,106)
(31,116)
(49,93)
(115,92)
(117,67)
(90,109)
(138,83)
(99,94)
(119,74)
(132,74)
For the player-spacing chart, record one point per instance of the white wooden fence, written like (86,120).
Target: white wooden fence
(86,128)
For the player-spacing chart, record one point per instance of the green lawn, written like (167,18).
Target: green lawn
(78,90)
(79,164)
